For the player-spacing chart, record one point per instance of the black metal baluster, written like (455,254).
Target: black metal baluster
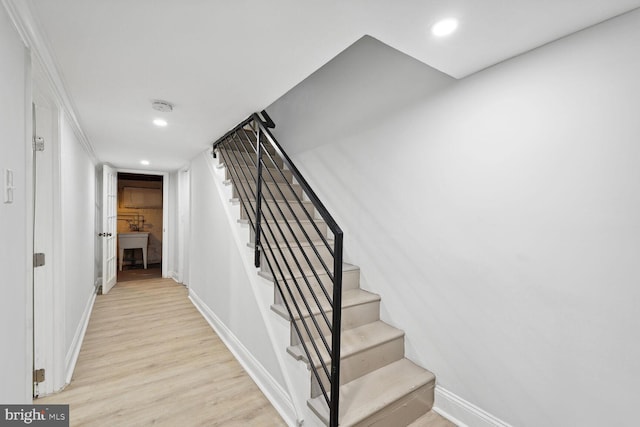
(258,200)
(335,331)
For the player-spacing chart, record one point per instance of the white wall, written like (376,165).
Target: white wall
(172,228)
(182,224)
(15,356)
(78,226)
(74,255)
(216,271)
(178,227)
(498,218)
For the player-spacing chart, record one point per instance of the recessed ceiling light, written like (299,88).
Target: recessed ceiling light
(444,27)
(144,162)
(160,122)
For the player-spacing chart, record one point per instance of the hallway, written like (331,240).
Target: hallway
(149,358)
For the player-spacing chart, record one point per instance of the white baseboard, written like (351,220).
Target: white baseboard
(74,351)
(278,397)
(463,413)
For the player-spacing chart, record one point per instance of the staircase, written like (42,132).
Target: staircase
(350,353)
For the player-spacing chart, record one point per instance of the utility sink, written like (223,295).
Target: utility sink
(133,240)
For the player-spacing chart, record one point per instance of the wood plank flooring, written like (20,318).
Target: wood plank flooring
(432,419)
(149,358)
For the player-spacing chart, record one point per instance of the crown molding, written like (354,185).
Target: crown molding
(29,31)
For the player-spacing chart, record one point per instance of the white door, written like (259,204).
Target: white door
(109,232)
(43,226)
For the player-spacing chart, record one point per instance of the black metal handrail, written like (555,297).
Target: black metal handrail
(275,199)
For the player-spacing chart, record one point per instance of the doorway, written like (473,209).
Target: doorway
(140,218)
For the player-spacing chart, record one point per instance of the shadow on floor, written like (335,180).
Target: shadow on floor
(128,273)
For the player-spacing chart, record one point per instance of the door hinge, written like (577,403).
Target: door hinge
(38,143)
(38,376)
(38,260)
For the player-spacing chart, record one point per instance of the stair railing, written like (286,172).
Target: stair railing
(303,265)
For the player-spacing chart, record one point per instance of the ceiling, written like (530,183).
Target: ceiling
(218,61)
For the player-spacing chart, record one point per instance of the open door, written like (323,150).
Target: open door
(109,222)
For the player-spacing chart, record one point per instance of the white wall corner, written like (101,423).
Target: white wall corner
(175,276)
(463,413)
(74,350)
(278,397)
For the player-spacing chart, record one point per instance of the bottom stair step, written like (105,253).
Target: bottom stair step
(395,395)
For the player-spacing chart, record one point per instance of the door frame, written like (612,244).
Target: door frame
(184,224)
(165,212)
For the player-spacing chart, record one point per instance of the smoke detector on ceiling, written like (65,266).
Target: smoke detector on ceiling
(164,106)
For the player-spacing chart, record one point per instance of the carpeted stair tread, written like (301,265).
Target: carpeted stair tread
(366,396)
(350,298)
(353,341)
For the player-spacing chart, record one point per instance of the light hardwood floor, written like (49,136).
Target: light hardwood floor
(149,358)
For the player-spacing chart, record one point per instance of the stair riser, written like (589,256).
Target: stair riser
(403,411)
(243,144)
(304,287)
(357,365)
(284,212)
(248,158)
(270,190)
(350,280)
(249,174)
(238,158)
(288,257)
(249,135)
(282,233)
(352,317)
